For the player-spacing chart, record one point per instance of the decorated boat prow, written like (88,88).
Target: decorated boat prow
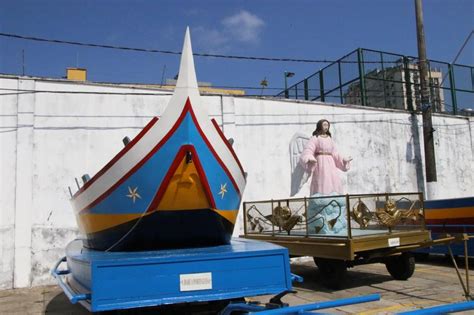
(177,184)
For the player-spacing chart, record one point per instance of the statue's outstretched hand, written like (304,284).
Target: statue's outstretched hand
(311,161)
(347,159)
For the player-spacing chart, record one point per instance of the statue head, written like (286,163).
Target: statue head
(322,128)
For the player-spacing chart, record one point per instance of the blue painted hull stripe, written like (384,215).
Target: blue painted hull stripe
(450,203)
(149,177)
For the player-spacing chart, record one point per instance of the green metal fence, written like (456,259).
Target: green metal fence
(381,79)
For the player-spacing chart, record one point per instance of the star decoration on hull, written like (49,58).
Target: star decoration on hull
(223,190)
(133,194)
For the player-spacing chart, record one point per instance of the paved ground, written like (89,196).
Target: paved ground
(435,282)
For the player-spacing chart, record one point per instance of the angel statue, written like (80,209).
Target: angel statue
(317,157)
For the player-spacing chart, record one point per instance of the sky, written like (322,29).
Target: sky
(301,29)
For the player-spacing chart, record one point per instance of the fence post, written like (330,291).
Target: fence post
(321,85)
(452,87)
(340,80)
(384,80)
(306,94)
(360,61)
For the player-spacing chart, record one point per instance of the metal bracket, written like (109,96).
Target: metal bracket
(58,274)
(275,302)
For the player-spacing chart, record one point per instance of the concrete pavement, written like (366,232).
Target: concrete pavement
(435,282)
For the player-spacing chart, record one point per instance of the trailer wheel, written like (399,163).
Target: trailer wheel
(333,272)
(401,267)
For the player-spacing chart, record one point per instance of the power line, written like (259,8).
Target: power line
(170,52)
(153,87)
(23,91)
(462,47)
(457,55)
(75,92)
(449,128)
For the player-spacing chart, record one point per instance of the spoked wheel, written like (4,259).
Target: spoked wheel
(401,267)
(333,272)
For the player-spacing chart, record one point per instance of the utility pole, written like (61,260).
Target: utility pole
(287,75)
(428,138)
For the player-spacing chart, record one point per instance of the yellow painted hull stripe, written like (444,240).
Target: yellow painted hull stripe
(230,215)
(93,222)
(185,191)
(450,213)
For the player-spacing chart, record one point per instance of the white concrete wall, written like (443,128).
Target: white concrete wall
(8,149)
(47,139)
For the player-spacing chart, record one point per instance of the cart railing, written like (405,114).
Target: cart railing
(337,216)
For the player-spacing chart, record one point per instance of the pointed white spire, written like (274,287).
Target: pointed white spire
(187,73)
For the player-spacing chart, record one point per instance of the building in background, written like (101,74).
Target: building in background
(80,74)
(381,79)
(204,87)
(388,88)
(76,74)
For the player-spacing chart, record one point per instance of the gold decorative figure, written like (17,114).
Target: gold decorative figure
(284,219)
(253,225)
(413,213)
(282,213)
(361,214)
(389,215)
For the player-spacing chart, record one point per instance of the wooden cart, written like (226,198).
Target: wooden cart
(344,231)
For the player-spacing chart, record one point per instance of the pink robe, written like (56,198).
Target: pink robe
(325,179)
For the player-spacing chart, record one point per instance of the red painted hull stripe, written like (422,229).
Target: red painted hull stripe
(186,108)
(118,156)
(219,131)
(177,161)
(138,165)
(213,151)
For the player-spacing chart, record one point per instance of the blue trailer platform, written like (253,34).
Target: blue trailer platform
(103,281)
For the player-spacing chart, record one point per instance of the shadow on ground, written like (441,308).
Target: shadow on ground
(60,305)
(443,260)
(313,279)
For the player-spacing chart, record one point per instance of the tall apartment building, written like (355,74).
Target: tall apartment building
(389,88)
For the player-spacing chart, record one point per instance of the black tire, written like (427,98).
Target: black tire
(333,272)
(401,267)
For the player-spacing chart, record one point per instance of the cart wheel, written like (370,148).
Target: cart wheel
(333,272)
(401,267)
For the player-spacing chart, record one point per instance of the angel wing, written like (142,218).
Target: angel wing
(299,176)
